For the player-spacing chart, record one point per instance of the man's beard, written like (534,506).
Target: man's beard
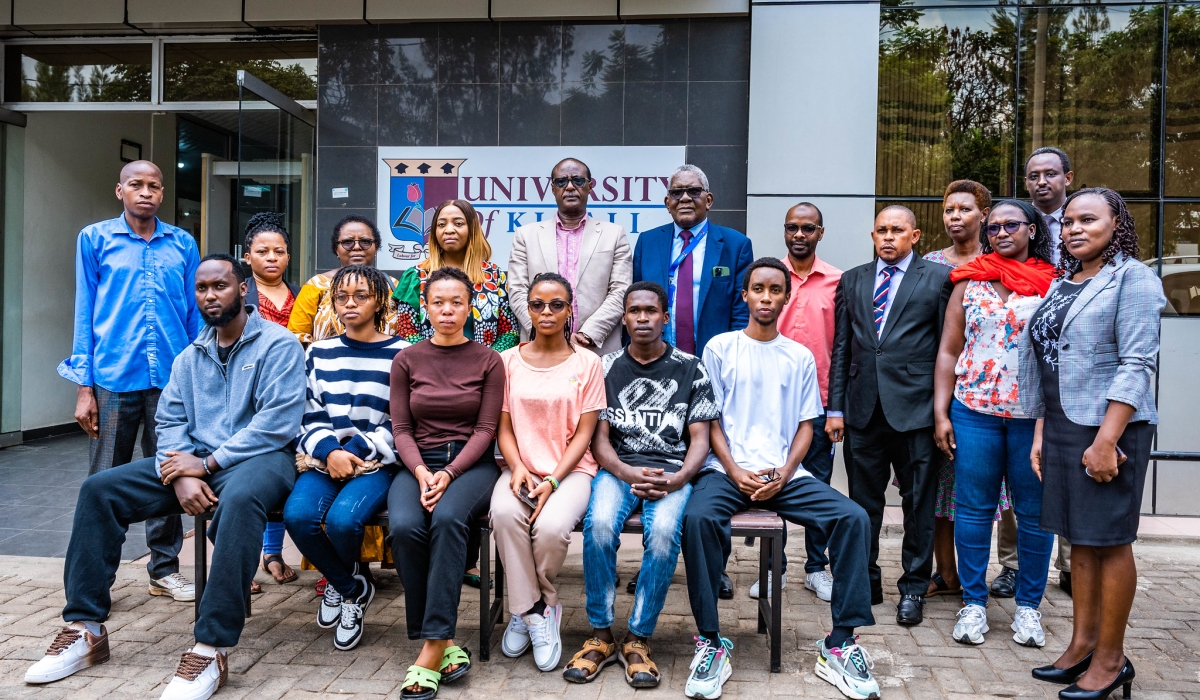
(226,316)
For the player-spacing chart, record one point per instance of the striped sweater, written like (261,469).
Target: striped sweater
(347,399)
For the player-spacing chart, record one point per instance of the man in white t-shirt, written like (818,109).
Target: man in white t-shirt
(766,389)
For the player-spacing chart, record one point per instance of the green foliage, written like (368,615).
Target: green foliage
(122,82)
(187,81)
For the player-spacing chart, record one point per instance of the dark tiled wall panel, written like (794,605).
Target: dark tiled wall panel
(675,82)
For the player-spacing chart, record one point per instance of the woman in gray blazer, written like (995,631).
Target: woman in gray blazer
(1087,358)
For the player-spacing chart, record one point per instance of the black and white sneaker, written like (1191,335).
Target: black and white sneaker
(350,627)
(329,610)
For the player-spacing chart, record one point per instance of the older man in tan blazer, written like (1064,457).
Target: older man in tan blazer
(593,255)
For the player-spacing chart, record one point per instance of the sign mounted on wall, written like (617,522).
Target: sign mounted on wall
(510,187)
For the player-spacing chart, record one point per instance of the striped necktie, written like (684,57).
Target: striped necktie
(881,298)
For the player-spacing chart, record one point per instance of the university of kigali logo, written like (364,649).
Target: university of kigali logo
(417,187)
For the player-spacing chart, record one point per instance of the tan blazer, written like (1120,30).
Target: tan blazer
(605,271)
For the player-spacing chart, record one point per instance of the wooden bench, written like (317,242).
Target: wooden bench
(764,525)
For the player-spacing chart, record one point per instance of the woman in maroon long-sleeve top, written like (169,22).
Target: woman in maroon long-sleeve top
(446,394)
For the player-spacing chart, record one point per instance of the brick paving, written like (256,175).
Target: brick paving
(284,654)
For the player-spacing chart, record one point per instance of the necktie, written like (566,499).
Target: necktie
(881,297)
(685,320)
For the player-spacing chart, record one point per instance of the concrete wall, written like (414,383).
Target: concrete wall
(72,160)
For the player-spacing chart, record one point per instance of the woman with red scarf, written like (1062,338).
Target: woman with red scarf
(978,420)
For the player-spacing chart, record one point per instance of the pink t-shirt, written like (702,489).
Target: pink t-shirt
(545,406)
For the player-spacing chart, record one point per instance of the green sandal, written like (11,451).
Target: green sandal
(455,655)
(424,678)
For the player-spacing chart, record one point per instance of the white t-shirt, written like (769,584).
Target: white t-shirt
(764,392)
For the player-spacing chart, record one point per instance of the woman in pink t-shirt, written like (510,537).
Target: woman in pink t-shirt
(552,401)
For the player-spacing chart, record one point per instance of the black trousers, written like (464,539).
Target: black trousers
(430,549)
(112,499)
(874,452)
(119,415)
(806,501)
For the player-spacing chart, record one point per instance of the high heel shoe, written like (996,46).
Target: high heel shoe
(1064,676)
(1124,680)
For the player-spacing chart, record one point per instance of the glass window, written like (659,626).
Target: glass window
(1089,78)
(77,73)
(1183,102)
(929,221)
(1181,259)
(945,99)
(208,71)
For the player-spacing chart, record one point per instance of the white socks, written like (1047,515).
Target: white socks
(92,627)
(205,650)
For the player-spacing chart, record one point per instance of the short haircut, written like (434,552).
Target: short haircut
(266,221)
(1041,247)
(586,169)
(912,218)
(689,168)
(238,271)
(1063,158)
(377,283)
(982,195)
(448,273)
(355,219)
(774,264)
(810,205)
(644,286)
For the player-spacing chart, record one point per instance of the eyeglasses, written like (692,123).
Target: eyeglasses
(561,182)
(692,192)
(808,229)
(351,243)
(556,306)
(359,297)
(1010,227)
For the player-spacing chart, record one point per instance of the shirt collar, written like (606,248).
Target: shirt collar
(819,266)
(1057,214)
(698,229)
(558,224)
(902,265)
(158,227)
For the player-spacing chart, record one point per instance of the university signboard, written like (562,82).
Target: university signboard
(510,187)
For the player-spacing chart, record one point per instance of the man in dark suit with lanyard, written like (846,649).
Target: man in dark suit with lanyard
(889,315)
(693,254)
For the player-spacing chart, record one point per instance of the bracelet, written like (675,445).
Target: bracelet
(205,463)
(1088,472)
(553,482)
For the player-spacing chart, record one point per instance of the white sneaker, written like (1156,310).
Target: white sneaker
(516,638)
(1028,627)
(972,625)
(329,610)
(712,665)
(754,586)
(175,586)
(848,668)
(197,677)
(72,650)
(350,624)
(821,583)
(544,636)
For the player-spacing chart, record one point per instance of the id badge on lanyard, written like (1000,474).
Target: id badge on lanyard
(671,275)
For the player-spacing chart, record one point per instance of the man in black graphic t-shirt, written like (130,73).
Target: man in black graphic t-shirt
(651,440)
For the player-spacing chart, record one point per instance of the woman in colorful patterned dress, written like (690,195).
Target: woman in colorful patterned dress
(978,419)
(457,240)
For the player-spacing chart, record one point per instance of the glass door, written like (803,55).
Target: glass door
(275,169)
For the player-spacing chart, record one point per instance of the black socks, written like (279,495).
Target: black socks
(839,636)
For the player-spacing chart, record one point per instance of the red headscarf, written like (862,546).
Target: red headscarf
(1028,278)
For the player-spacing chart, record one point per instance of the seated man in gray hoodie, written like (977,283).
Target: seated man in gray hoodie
(225,424)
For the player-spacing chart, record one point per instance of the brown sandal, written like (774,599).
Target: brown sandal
(583,670)
(643,674)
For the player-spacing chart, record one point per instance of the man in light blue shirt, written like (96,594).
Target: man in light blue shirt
(135,310)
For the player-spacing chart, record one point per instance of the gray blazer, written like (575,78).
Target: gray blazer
(1108,349)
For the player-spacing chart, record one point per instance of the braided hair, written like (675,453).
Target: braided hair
(1040,247)
(377,284)
(1124,237)
(263,222)
(554,278)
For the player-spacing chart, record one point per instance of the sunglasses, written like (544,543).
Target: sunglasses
(808,229)
(351,243)
(556,306)
(562,182)
(692,192)
(1010,227)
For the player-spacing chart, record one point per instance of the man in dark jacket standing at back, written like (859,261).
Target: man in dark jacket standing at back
(889,316)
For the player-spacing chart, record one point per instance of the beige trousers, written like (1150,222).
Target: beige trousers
(534,553)
(1006,544)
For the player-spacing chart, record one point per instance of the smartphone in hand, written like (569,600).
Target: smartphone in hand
(523,495)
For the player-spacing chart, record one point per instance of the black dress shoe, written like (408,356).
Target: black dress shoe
(632,584)
(1005,585)
(725,592)
(910,611)
(1124,680)
(876,597)
(1050,674)
(1064,582)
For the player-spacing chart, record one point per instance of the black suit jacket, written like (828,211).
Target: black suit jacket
(897,369)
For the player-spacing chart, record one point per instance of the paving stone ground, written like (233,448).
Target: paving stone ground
(283,654)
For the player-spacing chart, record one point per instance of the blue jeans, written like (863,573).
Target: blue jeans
(611,503)
(343,507)
(991,448)
(273,539)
